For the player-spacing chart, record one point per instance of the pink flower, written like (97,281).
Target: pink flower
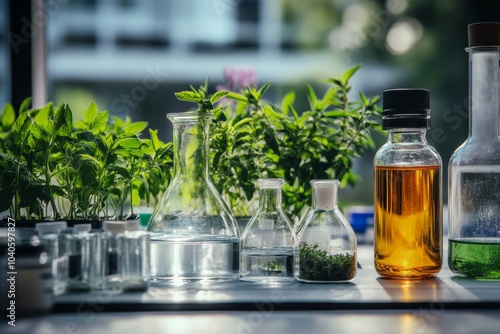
(237,79)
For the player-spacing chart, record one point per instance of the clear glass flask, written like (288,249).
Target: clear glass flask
(474,168)
(327,242)
(268,241)
(194,235)
(408,223)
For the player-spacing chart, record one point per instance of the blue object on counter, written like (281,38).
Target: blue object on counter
(360,217)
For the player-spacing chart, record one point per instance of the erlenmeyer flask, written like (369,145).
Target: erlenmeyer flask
(268,241)
(194,236)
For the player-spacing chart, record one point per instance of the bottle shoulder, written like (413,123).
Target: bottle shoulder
(407,154)
(475,152)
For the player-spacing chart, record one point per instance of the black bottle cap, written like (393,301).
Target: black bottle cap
(484,34)
(406,108)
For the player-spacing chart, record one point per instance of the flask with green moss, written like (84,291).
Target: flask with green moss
(326,240)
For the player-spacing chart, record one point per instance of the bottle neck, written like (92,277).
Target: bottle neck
(270,199)
(325,198)
(191,149)
(484,93)
(407,136)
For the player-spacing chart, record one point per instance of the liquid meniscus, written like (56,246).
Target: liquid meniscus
(408,221)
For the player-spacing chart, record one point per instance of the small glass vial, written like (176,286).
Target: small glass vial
(134,258)
(50,235)
(79,257)
(268,241)
(407,201)
(112,232)
(327,242)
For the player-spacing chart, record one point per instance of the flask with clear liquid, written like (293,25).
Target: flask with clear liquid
(474,168)
(268,241)
(194,236)
(408,223)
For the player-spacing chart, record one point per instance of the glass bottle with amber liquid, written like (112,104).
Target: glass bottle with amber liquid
(408,188)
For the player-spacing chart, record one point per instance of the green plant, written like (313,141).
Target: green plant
(89,169)
(254,138)
(318,265)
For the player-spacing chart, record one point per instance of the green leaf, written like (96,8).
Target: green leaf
(188,96)
(270,138)
(41,116)
(63,120)
(349,73)
(237,97)
(287,102)
(8,117)
(154,138)
(90,113)
(218,95)
(311,95)
(135,128)
(25,105)
(263,89)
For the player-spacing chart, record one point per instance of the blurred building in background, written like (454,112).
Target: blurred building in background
(130,56)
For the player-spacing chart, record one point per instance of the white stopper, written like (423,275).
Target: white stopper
(81,228)
(115,227)
(50,228)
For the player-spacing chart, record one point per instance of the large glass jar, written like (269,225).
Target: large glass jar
(474,169)
(194,236)
(327,242)
(268,241)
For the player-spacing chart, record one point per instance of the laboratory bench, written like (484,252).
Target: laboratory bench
(368,304)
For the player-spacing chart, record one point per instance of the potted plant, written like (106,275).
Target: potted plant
(54,168)
(254,138)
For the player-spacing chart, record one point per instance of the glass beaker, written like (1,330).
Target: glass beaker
(327,242)
(194,236)
(268,241)
(474,168)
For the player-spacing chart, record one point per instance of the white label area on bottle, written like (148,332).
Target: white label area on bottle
(266,224)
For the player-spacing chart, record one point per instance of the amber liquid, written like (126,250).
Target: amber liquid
(408,221)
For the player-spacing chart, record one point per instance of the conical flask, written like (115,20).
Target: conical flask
(194,236)
(268,241)
(327,243)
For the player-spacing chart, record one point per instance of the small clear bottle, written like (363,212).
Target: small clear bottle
(50,234)
(474,168)
(268,241)
(134,258)
(112,232)
(79,257)
(326,240)
(408,209)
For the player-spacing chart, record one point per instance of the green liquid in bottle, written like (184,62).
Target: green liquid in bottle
(475,257)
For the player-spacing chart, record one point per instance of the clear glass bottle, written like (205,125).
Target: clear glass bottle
(112,276)
(268,241)
(408,189)
(194,235)
(50,235)
(326,240)
(79,257)
(474,168)
(134,258)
